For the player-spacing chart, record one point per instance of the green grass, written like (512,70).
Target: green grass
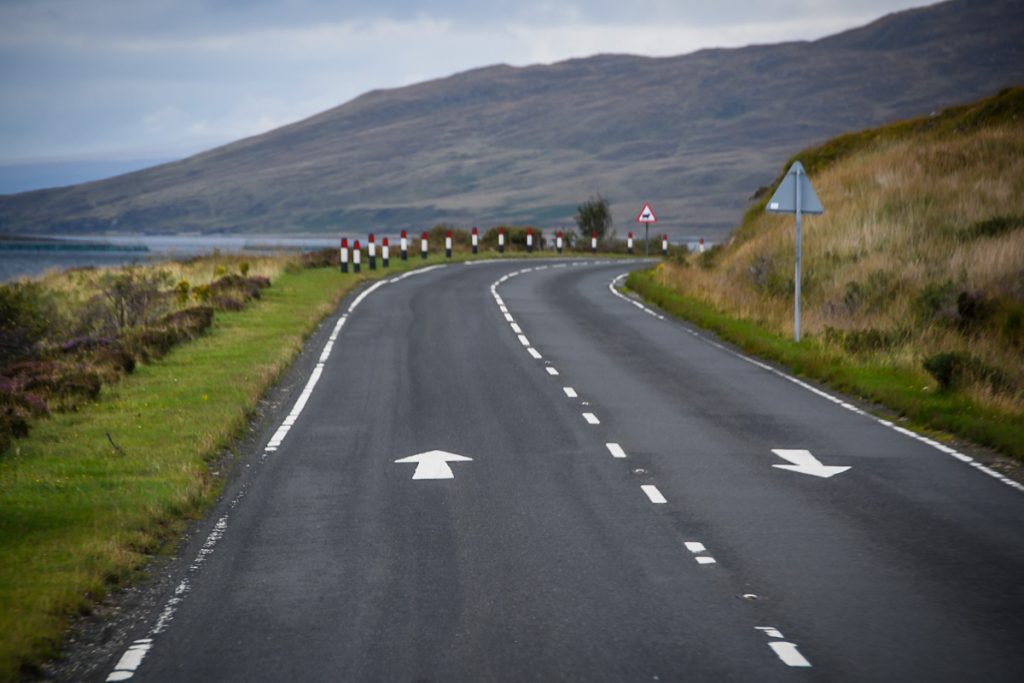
(899,389)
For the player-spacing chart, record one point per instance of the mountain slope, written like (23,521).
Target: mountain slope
(692,135)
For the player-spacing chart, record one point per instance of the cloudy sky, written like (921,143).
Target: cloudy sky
(129,79)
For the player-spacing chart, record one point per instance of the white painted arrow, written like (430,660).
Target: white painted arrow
(805,463)
(434,464)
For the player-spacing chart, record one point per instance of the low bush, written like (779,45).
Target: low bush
(956,369)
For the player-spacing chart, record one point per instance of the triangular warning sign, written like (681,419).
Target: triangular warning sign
(647,216)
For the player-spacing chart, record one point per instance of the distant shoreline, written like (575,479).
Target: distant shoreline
(31,243)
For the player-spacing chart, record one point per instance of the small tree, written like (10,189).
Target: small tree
(594,215)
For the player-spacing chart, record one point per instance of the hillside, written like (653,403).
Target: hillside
(914,274)
(692,135)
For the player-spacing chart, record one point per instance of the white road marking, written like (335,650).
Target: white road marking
(591,418)
(770,631)
(705,559)
(434,464)
(523,340)
(695,547)
(509,318)
(130,660)
(551,371)
(616,450)
(999,476)
(804,462)
(653,494)
(534,352)
(516,328)
(570,392)
(788,653)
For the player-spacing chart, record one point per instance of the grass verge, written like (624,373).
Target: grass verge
(902,390)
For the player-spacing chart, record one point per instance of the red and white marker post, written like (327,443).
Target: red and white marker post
(448,245)
(371,251)
(593,242)
(476,240)
(664,245)
(529,240)
(423,245)
(385,253)
(700,245)
(501,240)
(356,255)
(404,244)
(559,244)
(629,244)
(343,254)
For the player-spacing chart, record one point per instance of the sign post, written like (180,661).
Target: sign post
(796,195)
(647,217)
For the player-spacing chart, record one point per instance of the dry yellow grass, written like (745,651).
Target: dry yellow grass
(901,223)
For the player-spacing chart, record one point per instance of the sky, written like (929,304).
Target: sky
(100,80)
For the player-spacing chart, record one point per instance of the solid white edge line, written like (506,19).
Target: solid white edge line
(842,403)
(653,494)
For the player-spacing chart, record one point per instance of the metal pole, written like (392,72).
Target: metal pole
(796,299)
(647,240)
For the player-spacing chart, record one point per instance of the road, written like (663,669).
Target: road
(621,515)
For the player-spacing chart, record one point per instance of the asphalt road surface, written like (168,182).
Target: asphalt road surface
(618,513)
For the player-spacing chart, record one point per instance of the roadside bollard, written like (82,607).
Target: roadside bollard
(356,256)
(423,245)
(593,242)
(629,244)
(448,245)
(529,240)
(558,242)
(371,251)
(385,253)
(404,246)
(476,240)
(344,254)
(664,245)
(501,240)
(700,245)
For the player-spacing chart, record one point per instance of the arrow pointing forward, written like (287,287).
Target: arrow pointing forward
(805,463)
(434,464)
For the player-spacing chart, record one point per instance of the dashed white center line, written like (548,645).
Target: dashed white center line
(516,328)
(695,547)
(789,654)
(786,651)
(523,340)
(534,352)
(705,559)
(551,371)
(591,418)
(653,494)
(570,392)
(616,450)
(509,318)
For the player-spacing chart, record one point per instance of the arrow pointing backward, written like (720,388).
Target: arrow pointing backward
(805,463)
(434,464)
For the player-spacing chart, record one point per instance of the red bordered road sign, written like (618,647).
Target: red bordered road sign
(647,215)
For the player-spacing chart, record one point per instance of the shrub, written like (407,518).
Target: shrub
(27,313)
(322,258)
(955,369)
(594,216)
(133,296)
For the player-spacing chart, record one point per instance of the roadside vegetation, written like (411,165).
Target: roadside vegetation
(913,285)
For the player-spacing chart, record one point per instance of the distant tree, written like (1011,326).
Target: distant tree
(594,215)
